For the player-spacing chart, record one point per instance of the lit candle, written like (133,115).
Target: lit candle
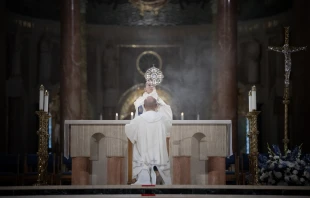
(198,117)
(41,99)
(46,101)
(100,116)
(182,116)
(250,101)
(254,98)
(131,115)
(116,116)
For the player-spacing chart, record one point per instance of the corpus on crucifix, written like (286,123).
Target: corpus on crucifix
(286,49)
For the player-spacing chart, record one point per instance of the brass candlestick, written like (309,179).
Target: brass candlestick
(253,156)
(42,147)
(287,50)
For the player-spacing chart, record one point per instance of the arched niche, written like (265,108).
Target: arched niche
(198,160)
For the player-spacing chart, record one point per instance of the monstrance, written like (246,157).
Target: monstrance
(154,75)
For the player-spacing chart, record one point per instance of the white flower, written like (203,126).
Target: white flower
(294,178)
(276,157)
(290,164)
(286,178)
(302,162)
(280,166)
(278,174)
(295,172)
(288,151)
(307,174)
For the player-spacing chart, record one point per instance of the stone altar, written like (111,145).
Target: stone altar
(101,153)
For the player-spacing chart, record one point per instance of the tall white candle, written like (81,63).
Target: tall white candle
(182,116)
(41,97)
(116,116)
(46,101)
(198,117)
(131,115)
(250,101)
(254,98)
(100,116)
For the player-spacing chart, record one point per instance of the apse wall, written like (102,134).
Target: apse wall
(117,54)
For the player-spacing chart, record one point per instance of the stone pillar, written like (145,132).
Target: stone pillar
(225,70)
(225,78)
(70,82)
(216,168)
(300,81)
(84,91)
(3,84)
(115,170)
(80,170)
(181,170)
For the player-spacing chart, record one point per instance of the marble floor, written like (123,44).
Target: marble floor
(173,191)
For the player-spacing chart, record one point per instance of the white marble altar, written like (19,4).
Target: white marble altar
(191,142)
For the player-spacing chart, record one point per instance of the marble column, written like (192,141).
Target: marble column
(225,76)
(3,101)
(70,83)
(225,69)
(80,170)
(84,91)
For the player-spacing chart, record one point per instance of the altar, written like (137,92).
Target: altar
(101,153)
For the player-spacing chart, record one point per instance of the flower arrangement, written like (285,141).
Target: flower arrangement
(289,168)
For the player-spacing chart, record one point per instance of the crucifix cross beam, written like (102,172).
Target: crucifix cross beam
(286,49)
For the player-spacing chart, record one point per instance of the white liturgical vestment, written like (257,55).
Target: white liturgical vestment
(147,133)
(162,106)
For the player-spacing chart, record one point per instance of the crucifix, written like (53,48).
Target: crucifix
(286,49)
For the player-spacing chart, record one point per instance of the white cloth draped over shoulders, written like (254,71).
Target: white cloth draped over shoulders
(163,108)
(148,133)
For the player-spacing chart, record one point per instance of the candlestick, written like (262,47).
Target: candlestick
(41,97)
(250,101)
(182,116)
(100,116)
(131,115)
(254,98)
(46,101)
(116,116)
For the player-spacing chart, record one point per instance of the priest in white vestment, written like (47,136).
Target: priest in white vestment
(150,90)
(148,133)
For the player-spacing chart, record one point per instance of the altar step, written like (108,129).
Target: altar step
(174,191)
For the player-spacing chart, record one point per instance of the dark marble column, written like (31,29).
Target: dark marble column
(300,103)
(225,68)
(85,115)
(3,85)
(70,83)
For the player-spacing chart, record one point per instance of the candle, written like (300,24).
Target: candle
(198,117)
(254,98)
(250,101)
(116,116)
(46,101)
(41,98)
(100,116)
(131,115)
(182,116)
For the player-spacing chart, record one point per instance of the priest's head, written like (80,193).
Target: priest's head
(150,104)
(149,87)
